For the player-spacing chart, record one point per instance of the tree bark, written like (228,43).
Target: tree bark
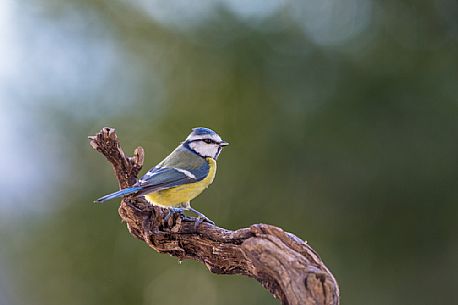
(284,264)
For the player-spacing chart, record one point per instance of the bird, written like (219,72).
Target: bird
(183,175)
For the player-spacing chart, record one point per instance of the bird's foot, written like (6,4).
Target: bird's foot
(171,212)
(200,217)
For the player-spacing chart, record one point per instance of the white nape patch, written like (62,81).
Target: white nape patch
(204,149)
(187,173)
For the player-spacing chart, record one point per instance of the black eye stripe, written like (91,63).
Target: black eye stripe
(208,141)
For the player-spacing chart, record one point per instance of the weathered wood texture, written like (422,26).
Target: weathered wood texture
(284,264)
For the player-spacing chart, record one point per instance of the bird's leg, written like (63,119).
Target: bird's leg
(201,217)
(173,211)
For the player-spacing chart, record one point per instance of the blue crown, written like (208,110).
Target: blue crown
(199,131)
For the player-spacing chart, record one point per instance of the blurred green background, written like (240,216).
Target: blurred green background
(341,114)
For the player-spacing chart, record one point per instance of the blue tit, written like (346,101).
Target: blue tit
(182,175)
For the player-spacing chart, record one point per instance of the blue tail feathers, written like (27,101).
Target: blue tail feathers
(120,193)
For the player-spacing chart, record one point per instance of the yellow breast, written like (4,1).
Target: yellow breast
(182,194)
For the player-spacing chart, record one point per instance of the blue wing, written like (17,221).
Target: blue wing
(181,167)
(160,178)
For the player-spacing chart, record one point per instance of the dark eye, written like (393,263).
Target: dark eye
(208,141)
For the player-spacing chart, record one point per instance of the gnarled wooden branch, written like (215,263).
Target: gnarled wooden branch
(284,264)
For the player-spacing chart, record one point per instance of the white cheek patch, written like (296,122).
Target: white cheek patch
(204,149)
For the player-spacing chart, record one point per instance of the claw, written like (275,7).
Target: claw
(171,212)
(197,223)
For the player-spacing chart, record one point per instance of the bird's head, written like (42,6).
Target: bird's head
(205,142)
